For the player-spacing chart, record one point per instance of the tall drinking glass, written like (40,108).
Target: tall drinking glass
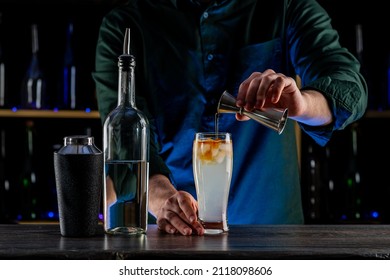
(212,167)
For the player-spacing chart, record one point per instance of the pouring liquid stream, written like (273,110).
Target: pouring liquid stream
(216,122)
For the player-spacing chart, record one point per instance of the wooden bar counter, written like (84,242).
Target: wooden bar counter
(44,241)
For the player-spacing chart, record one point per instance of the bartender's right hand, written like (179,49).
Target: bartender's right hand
(176,211)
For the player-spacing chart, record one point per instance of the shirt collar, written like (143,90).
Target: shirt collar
(193,2)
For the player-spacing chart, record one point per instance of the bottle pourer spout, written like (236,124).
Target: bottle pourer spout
(126,42)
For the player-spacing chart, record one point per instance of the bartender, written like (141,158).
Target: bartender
(188,52)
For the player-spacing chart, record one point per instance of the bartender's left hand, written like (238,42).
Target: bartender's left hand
(176,211)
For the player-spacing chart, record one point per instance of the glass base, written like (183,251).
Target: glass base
(214,227)
(213,231)
(126,231)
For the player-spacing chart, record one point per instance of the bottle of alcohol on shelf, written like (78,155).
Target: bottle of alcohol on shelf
(33,92)
(4,183)
(67,92)
(28,177)
(2,67)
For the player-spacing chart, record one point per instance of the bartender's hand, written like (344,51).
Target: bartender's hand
(271,89)
(176,211)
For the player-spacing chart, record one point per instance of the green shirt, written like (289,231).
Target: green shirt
(187,55)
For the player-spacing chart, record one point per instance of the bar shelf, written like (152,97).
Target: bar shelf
(67,114)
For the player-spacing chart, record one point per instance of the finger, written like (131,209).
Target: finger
(187,229)
(199,229)
(252,91)
(172,219)
(179,214)
(240,117)
(243,88)
(264,88)
(174,224)
(187,207)
(280,84)
(165,226)
(258,89)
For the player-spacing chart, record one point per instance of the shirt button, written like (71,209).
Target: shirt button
(210,57)
(205,15)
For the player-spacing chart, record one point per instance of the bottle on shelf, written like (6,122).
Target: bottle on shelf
(375,102)
(126,156)
(8,177)
(388,80)
(2,68)
(33,92)
(67,92)
(318,182)
(353,179)
(312,178)
(359,42)
(4,183)
(28,178)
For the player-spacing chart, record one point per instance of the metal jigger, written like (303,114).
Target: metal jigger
(270,117)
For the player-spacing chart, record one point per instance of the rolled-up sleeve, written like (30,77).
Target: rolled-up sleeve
(324,65)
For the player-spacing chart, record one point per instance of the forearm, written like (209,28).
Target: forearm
(316,110)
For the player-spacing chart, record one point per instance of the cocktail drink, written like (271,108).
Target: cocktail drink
(212,167)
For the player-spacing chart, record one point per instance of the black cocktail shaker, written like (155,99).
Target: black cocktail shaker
(78,168)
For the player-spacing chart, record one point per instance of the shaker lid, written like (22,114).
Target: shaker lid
(78,140)
(79,144)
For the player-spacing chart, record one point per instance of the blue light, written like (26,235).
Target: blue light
(343,217)
(66,87)
(50,214)
(388,86)
(88,110)
(14,109)
(375,214)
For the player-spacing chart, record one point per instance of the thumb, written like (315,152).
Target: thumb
(240,117)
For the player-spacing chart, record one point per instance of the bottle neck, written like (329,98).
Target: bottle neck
(126,81)
(34,39)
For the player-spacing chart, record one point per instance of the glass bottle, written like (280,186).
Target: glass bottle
(67,99)
(34,84)
(2,68)
(3,178)
(353,177)
(28,177)
(126,156)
